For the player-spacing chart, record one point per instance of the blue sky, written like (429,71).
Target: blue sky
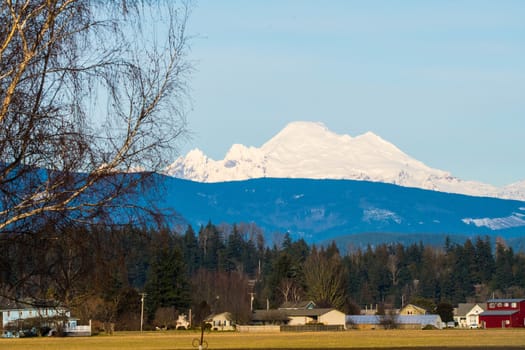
(442,80)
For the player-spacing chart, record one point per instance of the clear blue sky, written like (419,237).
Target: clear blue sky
(442,80)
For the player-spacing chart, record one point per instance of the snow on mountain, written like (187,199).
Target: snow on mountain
(516,219)
(513,191)
(310,150)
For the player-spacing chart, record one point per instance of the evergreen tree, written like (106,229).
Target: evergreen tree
(484,260)
(212,247)
(250,258)
(167,284)
(503,275)
(233,252)
(445,311)
(191,251)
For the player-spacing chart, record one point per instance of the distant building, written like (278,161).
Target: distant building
(15,312)
(18,316)
(182,322)
(401,321)
(503,313)
(411,309)
(467,314)
(221,322)
(299,317)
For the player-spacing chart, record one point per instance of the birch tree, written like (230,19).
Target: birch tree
(88,90)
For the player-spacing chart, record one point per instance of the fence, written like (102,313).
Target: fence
(256,329)
(313,328)
(78,331)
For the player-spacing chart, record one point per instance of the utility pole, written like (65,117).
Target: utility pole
(143,296)
(251,300)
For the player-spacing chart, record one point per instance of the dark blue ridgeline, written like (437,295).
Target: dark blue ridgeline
(347,211)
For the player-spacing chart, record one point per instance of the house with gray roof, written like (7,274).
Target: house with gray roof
(299,317)
(23,315)
(466,315)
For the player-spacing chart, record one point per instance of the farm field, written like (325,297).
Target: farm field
(378,339)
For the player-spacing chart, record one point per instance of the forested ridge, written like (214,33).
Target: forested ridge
(102,272)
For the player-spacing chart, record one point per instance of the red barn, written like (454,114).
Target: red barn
(503,313)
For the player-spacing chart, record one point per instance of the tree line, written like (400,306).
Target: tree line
(110,274)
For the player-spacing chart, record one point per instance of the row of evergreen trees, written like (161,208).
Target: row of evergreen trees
(103,272)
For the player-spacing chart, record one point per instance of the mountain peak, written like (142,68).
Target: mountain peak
(299,126)
(301,136)
(310,150)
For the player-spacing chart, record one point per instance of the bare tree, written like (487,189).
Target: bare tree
(223,291)
(393,267)
(88,90)
(325,279)
(291,290)
(166,317)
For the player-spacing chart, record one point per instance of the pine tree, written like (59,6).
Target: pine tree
(167,284)
(503,275)
(233,252)
(212,247)
(191,251)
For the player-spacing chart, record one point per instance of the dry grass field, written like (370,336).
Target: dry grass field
(378,339)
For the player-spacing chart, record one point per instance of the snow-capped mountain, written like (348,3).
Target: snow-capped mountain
(310,150)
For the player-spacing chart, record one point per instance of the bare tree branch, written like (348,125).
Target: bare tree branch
(89,90)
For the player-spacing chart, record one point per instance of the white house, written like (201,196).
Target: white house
(299,317)
(182,322)
(15,316)
(14,312)
(221,322)
(302,317)
(467,314)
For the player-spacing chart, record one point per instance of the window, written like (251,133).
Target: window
(500,304)
(514,305)
(492,305)
(506,304)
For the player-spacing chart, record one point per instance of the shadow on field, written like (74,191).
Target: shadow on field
(408,348)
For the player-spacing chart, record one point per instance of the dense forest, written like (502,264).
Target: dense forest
(102,273)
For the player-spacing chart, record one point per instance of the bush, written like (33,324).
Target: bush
(428,327)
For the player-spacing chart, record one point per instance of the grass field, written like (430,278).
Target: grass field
(378,339)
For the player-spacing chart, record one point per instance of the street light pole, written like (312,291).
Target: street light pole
(143,295)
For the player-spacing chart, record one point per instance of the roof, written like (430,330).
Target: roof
(498,313)
(363,319)
(418,319)
(269,315)
(308,312)
(415,307)
(298,305)
(401,319)
(465,308)
(28,304)
(225,315)
(280,314)
(505,300)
